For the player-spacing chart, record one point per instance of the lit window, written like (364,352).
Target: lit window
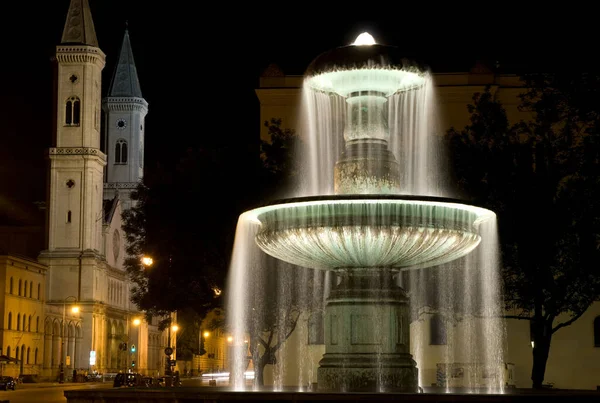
(121,152)
(72,111)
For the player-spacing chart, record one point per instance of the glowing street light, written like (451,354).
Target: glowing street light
(136,322)
(147,261)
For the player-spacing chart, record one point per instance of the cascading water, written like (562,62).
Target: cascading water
(369,222)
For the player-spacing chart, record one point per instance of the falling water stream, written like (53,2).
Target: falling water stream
(463,295)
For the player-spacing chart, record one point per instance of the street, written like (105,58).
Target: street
(46,394)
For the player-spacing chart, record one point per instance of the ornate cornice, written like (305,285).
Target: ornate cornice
(121,104)
(77,151)
(80,54)
(120,185)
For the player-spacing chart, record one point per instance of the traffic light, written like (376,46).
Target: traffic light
(133,363)
(133,348)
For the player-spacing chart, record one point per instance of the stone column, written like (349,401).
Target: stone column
(367,335)
(56,350)
(47,350)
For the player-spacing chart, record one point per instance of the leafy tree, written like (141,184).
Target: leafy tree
(541,178)
(184,218)
(279,169)
(273,315)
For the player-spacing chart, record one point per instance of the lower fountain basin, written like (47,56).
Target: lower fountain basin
(362,231)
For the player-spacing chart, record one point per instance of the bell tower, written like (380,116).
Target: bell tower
(125,110)
(76,162)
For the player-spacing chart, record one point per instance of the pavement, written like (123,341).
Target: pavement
(55,384)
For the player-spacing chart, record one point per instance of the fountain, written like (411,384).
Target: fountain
(367,231)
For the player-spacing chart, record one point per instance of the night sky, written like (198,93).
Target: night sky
(199,67)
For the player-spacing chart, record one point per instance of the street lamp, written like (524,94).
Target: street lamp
(147,261)
(168,353)
(74,309)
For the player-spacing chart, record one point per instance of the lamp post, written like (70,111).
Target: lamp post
(74,309)
(168,353)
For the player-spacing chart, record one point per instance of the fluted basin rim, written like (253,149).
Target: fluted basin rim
(398,232)
(483,214)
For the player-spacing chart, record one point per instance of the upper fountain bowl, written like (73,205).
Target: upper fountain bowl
(364,66)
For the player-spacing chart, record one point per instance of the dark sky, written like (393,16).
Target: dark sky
(199,66)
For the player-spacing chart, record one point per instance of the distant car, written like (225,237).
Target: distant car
(129,379)
(7,382)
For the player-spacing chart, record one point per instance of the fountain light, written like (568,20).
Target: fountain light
(364,39)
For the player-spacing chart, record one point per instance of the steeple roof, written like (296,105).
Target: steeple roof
(125,82)
(79,27)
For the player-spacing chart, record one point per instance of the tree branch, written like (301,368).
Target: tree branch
(517,317)
(567,323)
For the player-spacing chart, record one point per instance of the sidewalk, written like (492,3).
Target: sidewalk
(55,384)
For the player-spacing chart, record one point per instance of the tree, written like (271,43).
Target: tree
(541,179)
(184,218)
(279,165)
(273,315)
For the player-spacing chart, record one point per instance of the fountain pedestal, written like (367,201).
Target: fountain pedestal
(367,335)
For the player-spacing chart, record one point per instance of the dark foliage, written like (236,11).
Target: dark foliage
(541,178)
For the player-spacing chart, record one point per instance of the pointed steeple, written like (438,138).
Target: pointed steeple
(125,82)
(79,27)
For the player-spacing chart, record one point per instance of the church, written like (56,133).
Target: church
(70,308)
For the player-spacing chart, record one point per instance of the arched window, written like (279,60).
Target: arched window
(31,290)
(18,323)
(597,331)
(17,353)
(121,152)
(9,321)
(24,321)
(25,289)
(8,351)
(35,356)
(72,111)
(28,354)
(11,285)
(20,286)
(22,353)
(29,324)
(437,331)
(316,329)
(37,324)
(39,291)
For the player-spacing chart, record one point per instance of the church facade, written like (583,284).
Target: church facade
(71,308)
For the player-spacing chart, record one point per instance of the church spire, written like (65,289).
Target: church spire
(79,27)
(125,81)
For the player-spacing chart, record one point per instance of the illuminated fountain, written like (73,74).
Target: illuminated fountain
(368,229)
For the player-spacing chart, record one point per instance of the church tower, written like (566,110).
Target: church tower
(125,110)
(75,208)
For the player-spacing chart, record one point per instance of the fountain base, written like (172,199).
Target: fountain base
(367,335)
(367,373)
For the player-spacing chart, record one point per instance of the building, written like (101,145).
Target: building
(574,360)
(22,336)
(70,308)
